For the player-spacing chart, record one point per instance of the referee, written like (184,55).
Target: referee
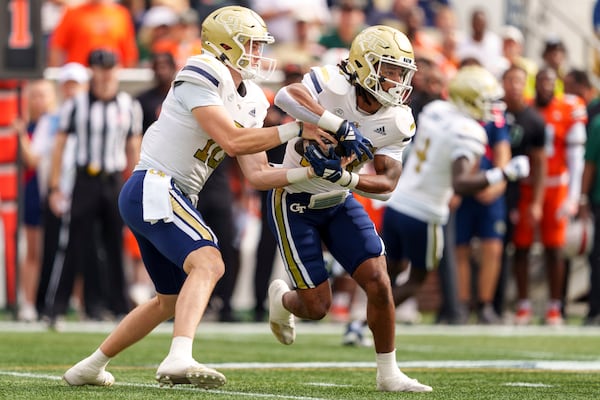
(107,125)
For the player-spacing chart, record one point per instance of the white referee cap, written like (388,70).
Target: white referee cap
(73,72)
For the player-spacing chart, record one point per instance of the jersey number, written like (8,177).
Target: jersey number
(212,154)
(20,36)
(421,155)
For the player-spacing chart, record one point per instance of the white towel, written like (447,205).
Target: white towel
(156,201)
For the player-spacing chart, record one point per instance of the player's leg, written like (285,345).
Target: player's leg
(492,228)
(553,234)
(196,264)
(467,216)
(184,265)
(371,275)
(354,242)
(410,241)
(135,326)
(296,229)
(523,237)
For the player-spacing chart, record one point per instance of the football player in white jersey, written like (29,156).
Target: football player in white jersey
(449,142)
(369,89)
(212,109)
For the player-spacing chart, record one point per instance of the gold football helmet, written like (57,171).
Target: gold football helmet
(381,54)
(475,91)
(236,36)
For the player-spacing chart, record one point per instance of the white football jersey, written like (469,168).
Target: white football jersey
(176,145)
(444,134)
(390,129)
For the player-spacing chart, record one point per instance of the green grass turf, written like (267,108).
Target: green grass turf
(31,364)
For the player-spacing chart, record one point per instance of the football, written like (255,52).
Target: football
(338,149)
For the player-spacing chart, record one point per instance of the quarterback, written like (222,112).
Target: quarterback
(212,109)
(366,92)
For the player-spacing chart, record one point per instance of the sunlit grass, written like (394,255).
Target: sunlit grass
(458,363)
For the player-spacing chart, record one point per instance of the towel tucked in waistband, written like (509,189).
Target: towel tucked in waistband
(156,201)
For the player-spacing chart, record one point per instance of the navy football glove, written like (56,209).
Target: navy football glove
(352,141)
(327,167)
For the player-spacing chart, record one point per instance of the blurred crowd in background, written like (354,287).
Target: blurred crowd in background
(162,34)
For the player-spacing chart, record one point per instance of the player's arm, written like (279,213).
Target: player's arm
(262,176)
(332,168)
(501,156)
(238,141)
(587,179)
(466,182)
(30,157)
(55,197)
(381,184)
(576,138)
(537,158)
(298,101)
(590,169)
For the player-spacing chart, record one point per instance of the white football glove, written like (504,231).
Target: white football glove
(517,168)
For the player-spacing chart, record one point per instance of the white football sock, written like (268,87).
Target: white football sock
(98,360)
(181,347)
(386,364)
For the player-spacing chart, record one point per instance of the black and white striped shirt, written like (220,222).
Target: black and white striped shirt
(102,129)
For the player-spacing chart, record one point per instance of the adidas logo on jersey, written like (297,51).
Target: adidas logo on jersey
(253,112)
(381,130)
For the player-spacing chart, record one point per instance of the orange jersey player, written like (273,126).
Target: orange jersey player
(565,119)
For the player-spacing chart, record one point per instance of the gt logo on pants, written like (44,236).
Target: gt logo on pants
(297,207)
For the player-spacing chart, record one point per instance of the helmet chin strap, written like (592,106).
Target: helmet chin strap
(365,94)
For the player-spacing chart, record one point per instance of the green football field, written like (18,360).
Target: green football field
(467,362)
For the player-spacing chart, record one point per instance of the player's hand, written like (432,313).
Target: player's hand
(535,213)
(568,209)
(313,132)
(57,202)
(352,141)
(327,167)
(517,168)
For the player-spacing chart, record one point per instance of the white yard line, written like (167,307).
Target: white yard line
(219,328)
(434,364)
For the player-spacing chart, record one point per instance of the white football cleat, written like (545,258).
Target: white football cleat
(355,335)
(401,383)
(179,372)
(81,374)
(280,319)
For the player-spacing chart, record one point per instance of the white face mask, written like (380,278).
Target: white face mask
(396,74)
(252,64)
